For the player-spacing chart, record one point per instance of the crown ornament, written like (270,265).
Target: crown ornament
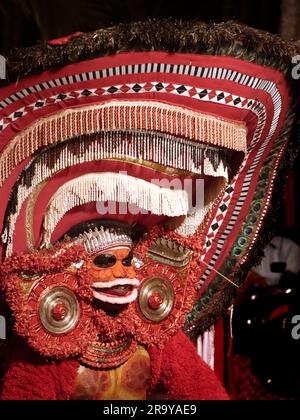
(100,239)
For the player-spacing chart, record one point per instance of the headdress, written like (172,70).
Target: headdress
(101,239)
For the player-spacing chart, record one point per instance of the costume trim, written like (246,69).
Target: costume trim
(122,116)
(112,187)
(108,355)
(169,35)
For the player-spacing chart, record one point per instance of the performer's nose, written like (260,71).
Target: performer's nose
(119,270)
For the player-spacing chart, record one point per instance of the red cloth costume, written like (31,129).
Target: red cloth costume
(29,377)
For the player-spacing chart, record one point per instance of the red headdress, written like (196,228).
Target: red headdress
(168,101)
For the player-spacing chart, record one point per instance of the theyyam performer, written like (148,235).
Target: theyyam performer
(140,172)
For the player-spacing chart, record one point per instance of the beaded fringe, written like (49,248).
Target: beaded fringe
(122,116)
(193,221)
(164,149)
(113,187)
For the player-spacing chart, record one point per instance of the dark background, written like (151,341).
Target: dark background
(26,22)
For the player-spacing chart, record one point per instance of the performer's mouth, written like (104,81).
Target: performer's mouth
(119,291)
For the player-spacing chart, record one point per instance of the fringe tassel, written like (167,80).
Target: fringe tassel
(165,150)
(113,187)
(193,221)
(122,116)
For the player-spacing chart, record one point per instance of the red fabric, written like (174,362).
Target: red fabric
(64,39)
(178,370)
(230,369)
(219,350)
(183,374)
(29,377)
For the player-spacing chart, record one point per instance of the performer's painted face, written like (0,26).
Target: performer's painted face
(113,276)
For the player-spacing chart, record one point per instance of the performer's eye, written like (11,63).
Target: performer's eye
(105,260)
(29,276)
(128,260)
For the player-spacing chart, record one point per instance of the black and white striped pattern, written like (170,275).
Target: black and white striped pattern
(201,72)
